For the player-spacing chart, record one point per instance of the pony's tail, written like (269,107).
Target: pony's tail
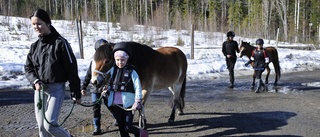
(183,93)
(277,65)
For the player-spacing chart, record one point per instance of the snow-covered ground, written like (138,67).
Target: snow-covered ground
(17,35)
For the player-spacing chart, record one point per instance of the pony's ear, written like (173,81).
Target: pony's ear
(112,45)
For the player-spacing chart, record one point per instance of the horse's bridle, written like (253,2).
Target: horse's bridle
(103,74)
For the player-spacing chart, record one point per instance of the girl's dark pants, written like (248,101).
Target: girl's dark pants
(125,119)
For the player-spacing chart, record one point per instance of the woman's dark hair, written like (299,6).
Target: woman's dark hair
(44,16)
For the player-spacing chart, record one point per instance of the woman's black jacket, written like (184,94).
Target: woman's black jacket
(51,60)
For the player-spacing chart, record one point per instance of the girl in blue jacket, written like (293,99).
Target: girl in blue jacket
(125,91)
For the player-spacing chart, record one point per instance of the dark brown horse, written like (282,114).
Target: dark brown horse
(165,67)
(246,50)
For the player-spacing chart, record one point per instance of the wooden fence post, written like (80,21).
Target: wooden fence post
(79,30)
(192,41)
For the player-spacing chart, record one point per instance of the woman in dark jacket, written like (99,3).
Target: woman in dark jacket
(260,60)
(229,49)
(50,64)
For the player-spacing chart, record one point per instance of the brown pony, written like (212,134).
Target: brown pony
(246,50)
(157,69)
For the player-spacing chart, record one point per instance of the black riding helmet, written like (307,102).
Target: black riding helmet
(125,46)
(259,42)
(231,34)
(99,43)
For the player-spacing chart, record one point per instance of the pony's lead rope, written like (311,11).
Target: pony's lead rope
(141,115)
(95,103)
(41,105)
(101,96)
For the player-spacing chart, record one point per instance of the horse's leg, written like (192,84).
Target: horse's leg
(173,114)
(145,94)
(175,102)
(276,79)
(181,91)
(173,105)
(277,70)
(267,76)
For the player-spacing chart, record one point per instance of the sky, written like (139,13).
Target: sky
(17,35)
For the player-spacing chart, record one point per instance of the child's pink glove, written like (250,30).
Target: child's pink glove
(137,104)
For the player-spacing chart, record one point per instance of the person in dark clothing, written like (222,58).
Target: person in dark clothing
(229,49)
(95,93)
(49,65)
(260,60)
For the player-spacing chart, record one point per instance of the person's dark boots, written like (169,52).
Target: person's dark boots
(96,131)
(231,84)
(259,82)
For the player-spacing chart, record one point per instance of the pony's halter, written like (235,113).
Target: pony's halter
(104,75)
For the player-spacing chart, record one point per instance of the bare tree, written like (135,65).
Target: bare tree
(85,11)
(223,14)
(296,18)
(56,6)
(267,6)
(151,12)
(140,11)
(107,15)
(282,10)
(66,11)
(97,4)
(146,10)
(71,9)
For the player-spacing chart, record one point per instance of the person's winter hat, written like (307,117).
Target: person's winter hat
(122,46)
(99,42)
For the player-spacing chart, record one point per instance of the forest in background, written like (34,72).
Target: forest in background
(296,20)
